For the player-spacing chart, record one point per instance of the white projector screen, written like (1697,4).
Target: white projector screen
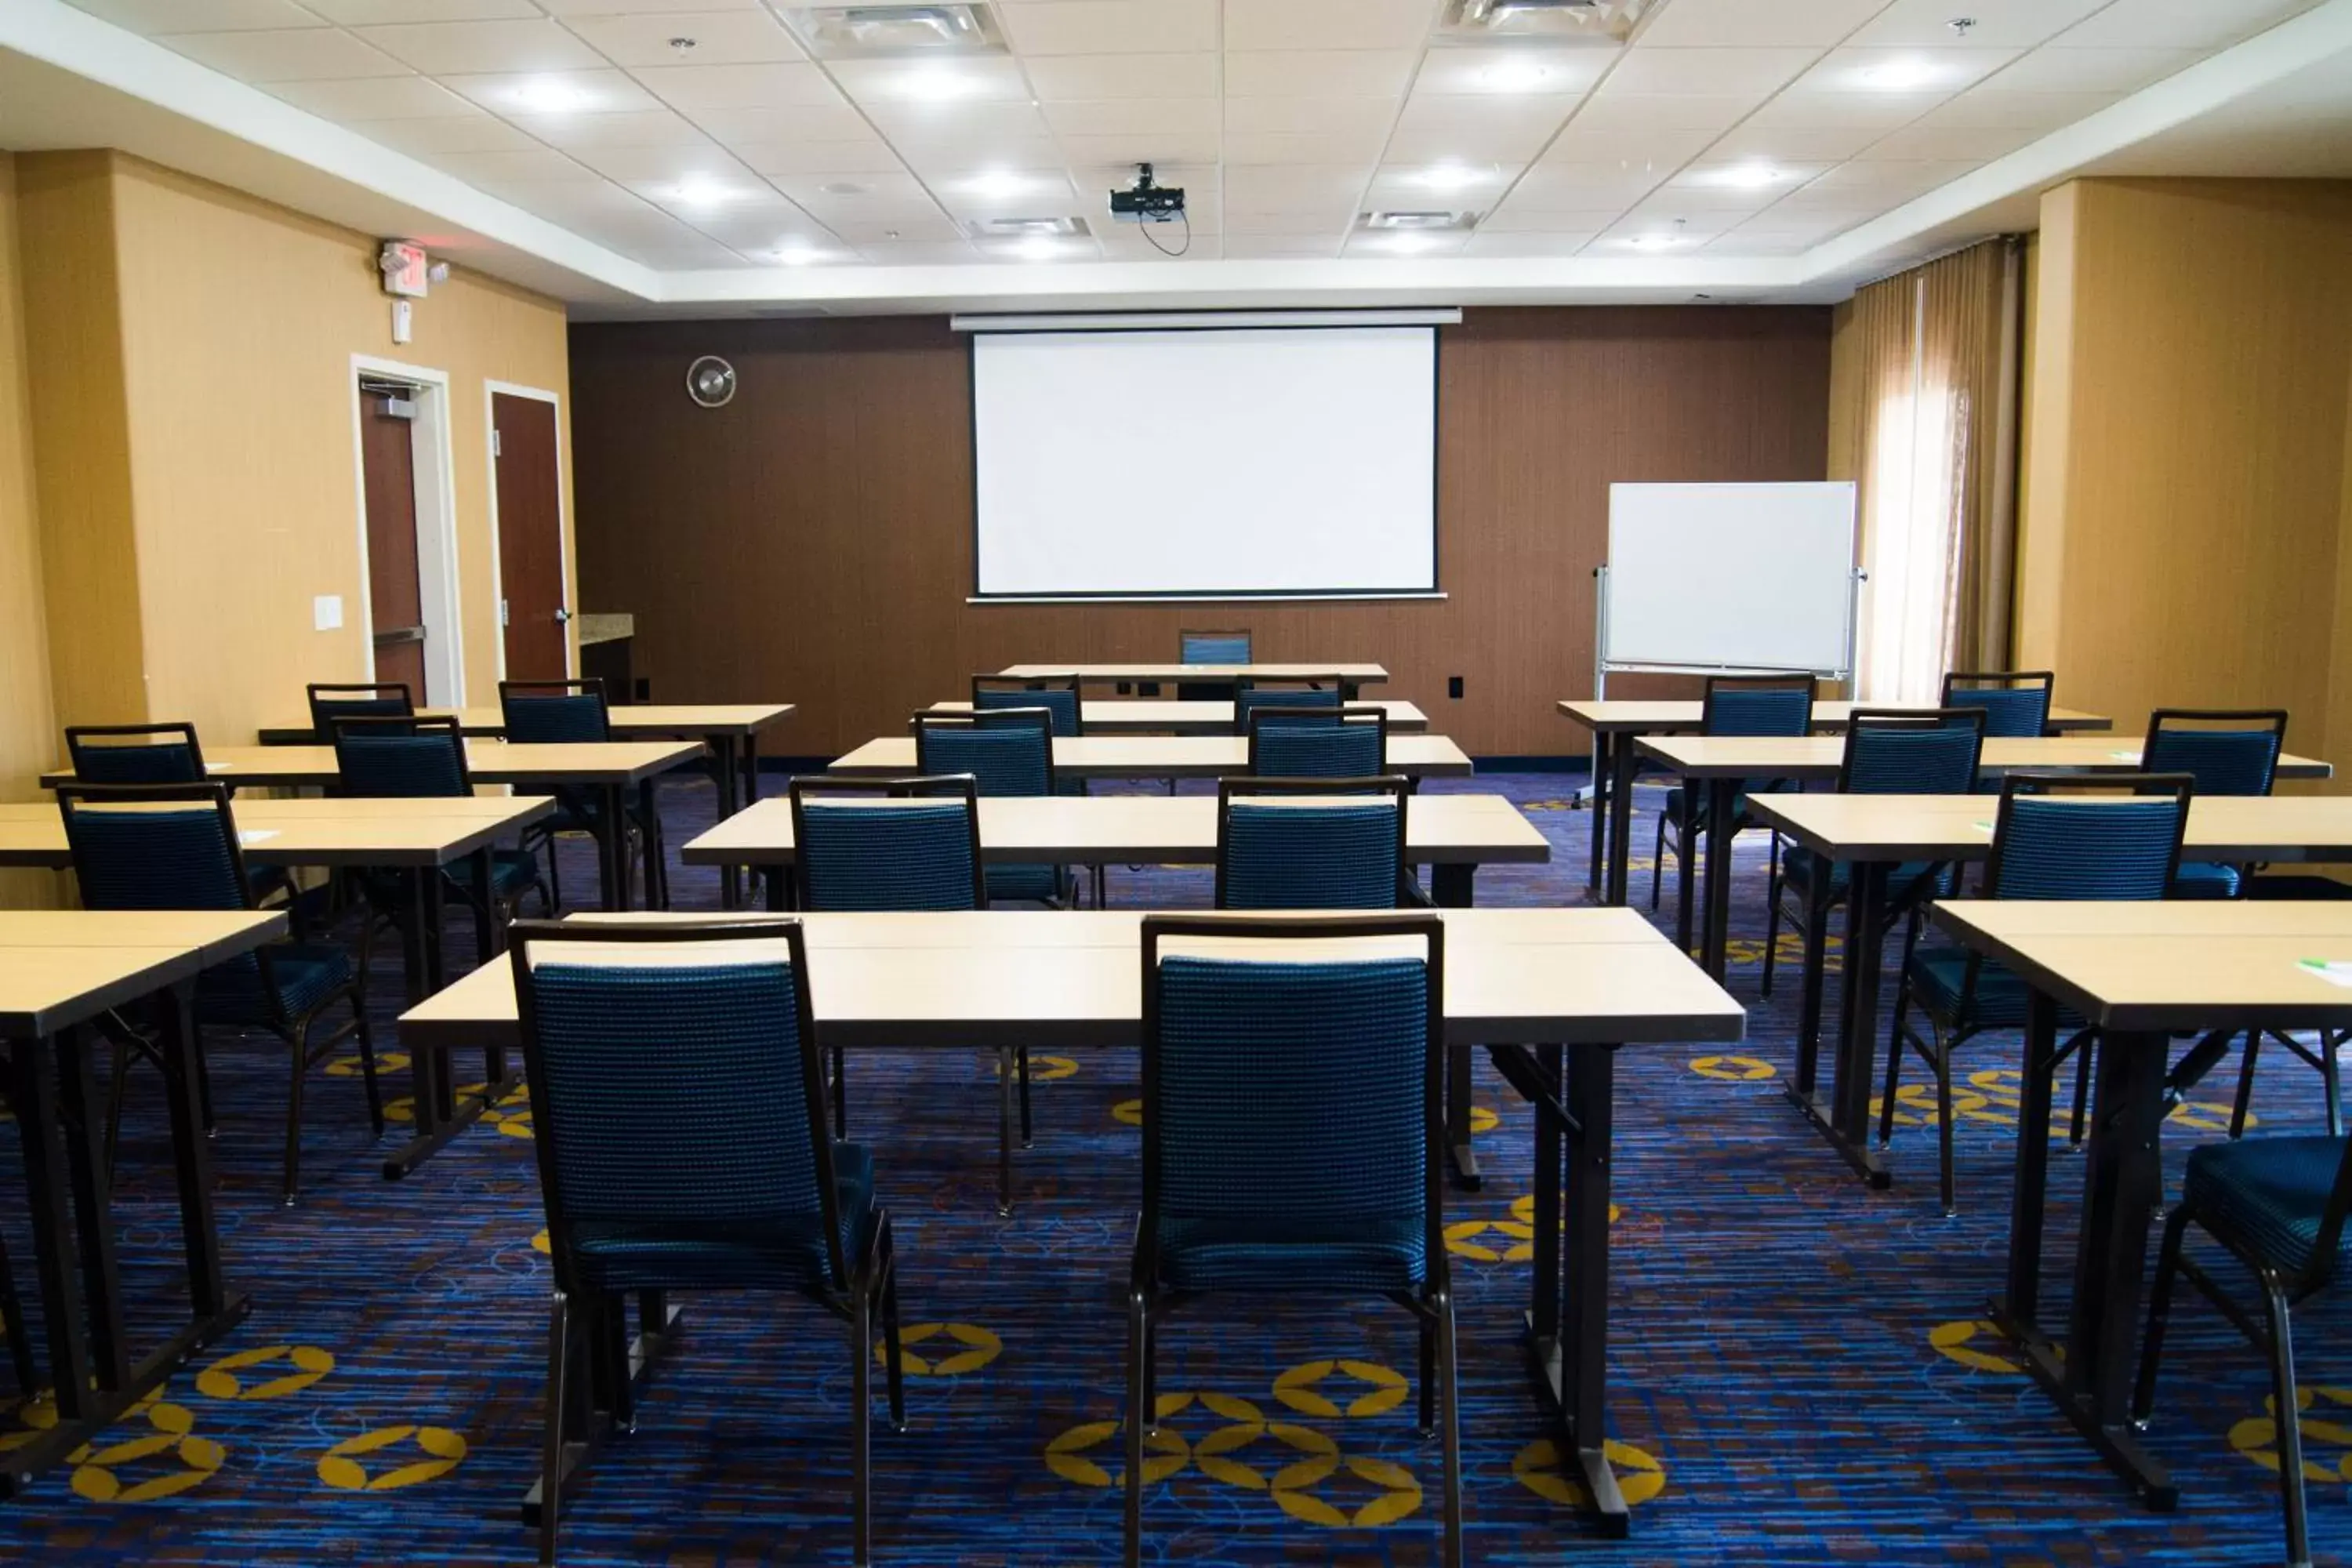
(1220,463)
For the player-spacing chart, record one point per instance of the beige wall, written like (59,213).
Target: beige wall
(2187,486)
(233,326)
(24,718)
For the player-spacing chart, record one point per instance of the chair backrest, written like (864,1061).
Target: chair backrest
(135,753)
(1290,844)
(553,713)
(1007,751)
(2074,835)
(1908,751)
(1057,695)
(888,844)
(1332,742)
(2227,751)
(680,1100)
(2016,702)
(1295,1102)
(1250,698)
(154,847)
(357,700)
(1757,705)
(1212,648)
(392,757)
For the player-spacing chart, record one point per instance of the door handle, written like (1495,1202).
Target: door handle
(562,615)
(393,636)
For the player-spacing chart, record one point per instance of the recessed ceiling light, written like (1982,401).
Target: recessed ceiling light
(1905,75)
(1653,241)
(1746,176)
(1407,244)
(1000,183)
(700,193)
(793,253)
(1039,249)
(545,95)
(935,84)
(1515,76)
(1453,177)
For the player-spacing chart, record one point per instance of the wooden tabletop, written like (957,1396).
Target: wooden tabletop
(490,762)
(2235,830)
(635,720)
(1202,673)
(58,967)
(1817,756)
(2179,965)
(1646,718)
(1087,830)
(1196,717)
(1072,980)
(1160,757)
(317,832)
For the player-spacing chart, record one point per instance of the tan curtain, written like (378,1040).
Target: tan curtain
(1926,383)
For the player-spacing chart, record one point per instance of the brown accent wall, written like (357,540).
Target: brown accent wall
(811,542)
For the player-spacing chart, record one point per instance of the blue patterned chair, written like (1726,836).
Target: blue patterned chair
(1887,751)
(1252,699)
(2056,837)
(1284,844)
(1731,705)
(1008,752)
(1325,741)
(1210,647)
(157,754)
(1058,696)
(330,701)
(678,1109)
(573,712)
(1291,1146)
(396,758)
(909,844)
(2016,702)
(2278,1206)
(175,847)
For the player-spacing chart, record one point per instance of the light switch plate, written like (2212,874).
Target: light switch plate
(327,613)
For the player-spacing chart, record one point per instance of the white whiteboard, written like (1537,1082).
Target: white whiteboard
(1731,576)
(1296,461)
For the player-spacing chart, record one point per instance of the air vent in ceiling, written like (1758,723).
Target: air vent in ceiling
(1424,222)
(884,32)
(1027,227)
(1558,21)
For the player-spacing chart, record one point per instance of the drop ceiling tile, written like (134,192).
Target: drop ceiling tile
(1804,109)
(1148,149)
(690,253)
(1511,217)
(1406,247)
(474,133)
(1727,186)
(1319,73)
(764,232)
(645,128)
(289,54)
(1112,27)
(1991,108)
(1999,24)
(970,156)
(1490,71)
(1884,183)
(147,17)
(1133,116)
(1318,24)
(1485,127)
(446,48)
(697,202)
(920,253)
(1003,193)
(2181,24)
(1079,78)
(1271,187)
(1808,225)
(977,122)
(894,189)
(992,79)
(1261,147)
(605,91)
(720,38)
(1778,144)
(1746,24)
(570,8)
(1502,144)
(573,202)
(1739,242)
(1279,246)
(1932,142)
(774,86)
(635,167)
(373,98)
(794,122)
(1583,141)
(1466,185)
(1722,72)
(1611,111)
(1322,217)
(845,159)
(515,166)
(932,230)
(1665,221)
(1329,116)
(2065,70)
(1903,73)
(1583,187)
(1509,245)
(365,13)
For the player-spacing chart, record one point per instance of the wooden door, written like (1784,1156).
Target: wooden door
(395,602)
(531,537)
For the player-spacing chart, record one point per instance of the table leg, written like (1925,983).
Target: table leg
(2018,1309)
(616,847)
(1604,755)
(1621,820)
(1721,829)
(1584,1297)
(46,1188)
(1844,1121)
(728,781)
(191,1150)
(489,940)
(94,1214)
(1809,988)
(1451,886)
(440,1115)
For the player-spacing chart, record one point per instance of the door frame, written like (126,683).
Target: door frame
(432,451)
(491,390)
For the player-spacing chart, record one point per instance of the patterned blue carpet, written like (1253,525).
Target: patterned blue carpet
(1799,1370)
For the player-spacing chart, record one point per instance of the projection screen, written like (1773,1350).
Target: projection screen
(1225,463)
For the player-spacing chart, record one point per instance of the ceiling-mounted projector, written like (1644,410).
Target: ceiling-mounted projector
(1147,203)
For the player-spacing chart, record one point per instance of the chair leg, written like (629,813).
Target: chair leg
(2245,1103)
(2289,1422)
(1427,1425)
(1771,920)
(1005,1069)
(840,1095)
(2075,1126)
(550,1454)
(2159,1313)
(1686,852)
(1943,1121)
(1139,1416)
(609,1343)
(893,1375)
(300,1041)
(861,1430)
(1895,1042)
(1658,861)
(121,1087)
(1028,1122)
(365,1036)
(1450,1428)
(20,1343)
(2333,1079)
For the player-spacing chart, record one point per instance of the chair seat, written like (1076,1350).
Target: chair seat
(2266,1193)
(1674,809)
(1041,883)
(1233,1254)
(1938,975)
(614,1255)
(1799,865)
(305,975)
(2203,879)
(513,872)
